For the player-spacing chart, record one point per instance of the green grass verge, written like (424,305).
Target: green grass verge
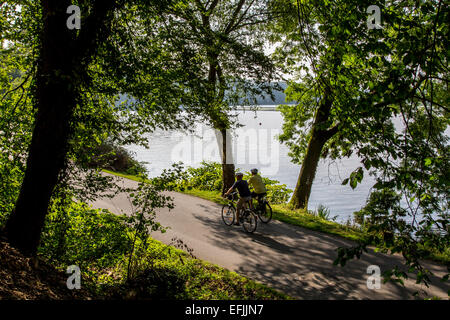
(124,175)
(100,244)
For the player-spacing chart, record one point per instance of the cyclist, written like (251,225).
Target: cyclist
(244,194)
(258,185)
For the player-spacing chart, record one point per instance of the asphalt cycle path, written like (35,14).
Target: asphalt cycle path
(291,259)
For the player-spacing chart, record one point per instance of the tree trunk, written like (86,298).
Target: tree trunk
(318,139)
(227,162)
(220,124)
(307,173)
(61,64)
(55,102)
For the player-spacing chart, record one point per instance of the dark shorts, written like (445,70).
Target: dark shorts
(258,195)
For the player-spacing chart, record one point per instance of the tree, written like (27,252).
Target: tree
(323,47)
(227,46)
(79,108)
(64,56)
(371,77)
(407,211)
(113,53)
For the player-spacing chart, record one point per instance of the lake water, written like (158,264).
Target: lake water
(255,146)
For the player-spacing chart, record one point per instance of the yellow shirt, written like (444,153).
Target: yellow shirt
(257,183)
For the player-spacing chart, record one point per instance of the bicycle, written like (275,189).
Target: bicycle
(263,209)
(248,217)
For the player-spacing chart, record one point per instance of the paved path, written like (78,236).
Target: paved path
(294,260)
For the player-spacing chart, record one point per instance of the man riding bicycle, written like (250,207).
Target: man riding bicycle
(244,194)
(258,185)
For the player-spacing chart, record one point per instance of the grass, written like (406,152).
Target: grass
(166,272)
(124,175)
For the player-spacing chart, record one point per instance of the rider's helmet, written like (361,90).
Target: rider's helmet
(254,171)
(239,174)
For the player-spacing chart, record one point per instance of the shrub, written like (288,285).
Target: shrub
(115,158)
(75,234)
(208,177)
(276,193)
(99,243)
(324,213)
(11,177)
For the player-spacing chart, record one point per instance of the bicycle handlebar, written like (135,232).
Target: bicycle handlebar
(231,195)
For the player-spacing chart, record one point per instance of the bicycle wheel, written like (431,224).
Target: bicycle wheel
(265,212)
(228,214)
(249,221)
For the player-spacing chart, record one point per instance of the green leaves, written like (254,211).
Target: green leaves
(355,178)
(390,98)
(77,234)
(346,254)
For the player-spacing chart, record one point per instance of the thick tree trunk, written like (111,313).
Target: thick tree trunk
(55,102)
(318,139)
(308,172)
(62,62)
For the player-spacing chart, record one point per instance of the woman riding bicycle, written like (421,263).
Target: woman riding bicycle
(258,185)
(244,194)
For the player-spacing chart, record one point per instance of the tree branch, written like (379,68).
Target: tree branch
(234,16)
(19,86)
